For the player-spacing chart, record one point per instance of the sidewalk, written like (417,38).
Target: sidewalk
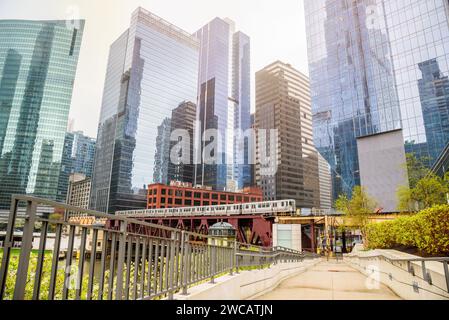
(329,280)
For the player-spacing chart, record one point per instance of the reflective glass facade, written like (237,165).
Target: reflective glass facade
(77,157)
(152,68)
(224,102)
(38,61)
(376,66)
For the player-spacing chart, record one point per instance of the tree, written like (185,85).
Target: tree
(357,209)
(426,189)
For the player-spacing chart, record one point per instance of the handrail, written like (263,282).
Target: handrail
(425,275)
(135,259)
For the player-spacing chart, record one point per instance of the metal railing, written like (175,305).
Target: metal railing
(124,259)
(410,265)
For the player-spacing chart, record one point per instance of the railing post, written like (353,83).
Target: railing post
(213,261)
(236,257)
(446,274)
(7,245)
(185,262)
(27,244)
(171,275)
(121,259)
(424,271)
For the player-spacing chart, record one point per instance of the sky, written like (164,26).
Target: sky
(276,29)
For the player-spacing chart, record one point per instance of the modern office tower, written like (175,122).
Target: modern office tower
(38,61)
(77,157)
(162,152)
(224,104)
(375,67)
(152,68)
(283,104)
(325,179)
(78,194)
(181,168)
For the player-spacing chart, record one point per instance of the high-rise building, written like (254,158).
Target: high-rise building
(283,104)
(182,168)
(38,61)
(78,194)
(224,104)
(325,179)
(77,157)
(377,66)
(152,68)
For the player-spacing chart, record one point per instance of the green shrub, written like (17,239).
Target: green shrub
(428,231)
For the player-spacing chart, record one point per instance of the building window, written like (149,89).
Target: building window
(188,202)
(197,203)
(178,202)
(214,196)
(223,197)
(197,195)
(188,194)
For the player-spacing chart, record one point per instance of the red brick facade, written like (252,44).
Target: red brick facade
(161,196)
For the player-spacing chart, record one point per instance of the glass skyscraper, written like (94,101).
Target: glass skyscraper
(152,69)
(224,103)
(38,61)
(77,157)
(377,66)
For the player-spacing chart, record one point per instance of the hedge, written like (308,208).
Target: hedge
(427,231)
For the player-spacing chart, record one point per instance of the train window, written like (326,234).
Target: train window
(282,203)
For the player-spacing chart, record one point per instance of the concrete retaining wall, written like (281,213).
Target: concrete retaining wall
(396,276)
(247,284)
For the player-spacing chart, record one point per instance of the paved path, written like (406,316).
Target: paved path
(329,280)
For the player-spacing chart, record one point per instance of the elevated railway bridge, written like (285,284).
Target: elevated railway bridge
(254,222)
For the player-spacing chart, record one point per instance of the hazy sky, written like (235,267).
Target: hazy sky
(276,28)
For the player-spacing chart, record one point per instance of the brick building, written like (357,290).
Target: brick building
(185,195)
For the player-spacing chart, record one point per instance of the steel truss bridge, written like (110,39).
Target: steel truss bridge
(253,221)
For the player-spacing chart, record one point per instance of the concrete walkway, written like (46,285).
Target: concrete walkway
(330,280)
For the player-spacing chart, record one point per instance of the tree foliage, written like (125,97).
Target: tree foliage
(426,189)
(357,209)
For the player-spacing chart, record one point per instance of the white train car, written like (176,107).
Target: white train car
(257,208)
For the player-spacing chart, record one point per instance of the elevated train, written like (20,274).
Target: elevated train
(258,208)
